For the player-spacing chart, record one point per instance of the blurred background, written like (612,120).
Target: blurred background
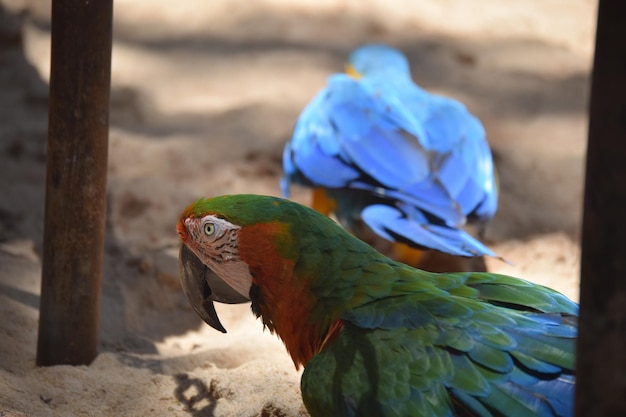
(204,96)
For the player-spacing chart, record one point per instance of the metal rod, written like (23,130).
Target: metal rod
(601,362)
(75,203)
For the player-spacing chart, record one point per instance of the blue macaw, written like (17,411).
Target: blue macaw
(388,157)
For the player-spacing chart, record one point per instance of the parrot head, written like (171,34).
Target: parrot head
(209,263)
(241,248)
(374,59)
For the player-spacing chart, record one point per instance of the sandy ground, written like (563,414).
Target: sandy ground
(204,95)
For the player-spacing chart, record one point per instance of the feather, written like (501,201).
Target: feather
(392,224)
(382,138)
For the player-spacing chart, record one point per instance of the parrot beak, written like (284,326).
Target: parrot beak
(202,286)
(352,72)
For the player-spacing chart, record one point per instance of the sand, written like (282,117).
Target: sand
(204,95)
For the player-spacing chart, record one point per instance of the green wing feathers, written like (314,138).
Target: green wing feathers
(467,344)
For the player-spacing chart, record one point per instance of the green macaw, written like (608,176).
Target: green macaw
(377,337)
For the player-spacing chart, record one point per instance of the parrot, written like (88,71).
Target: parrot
(392,160)
(377,337)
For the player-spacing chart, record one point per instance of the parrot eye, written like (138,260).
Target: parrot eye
(209,228)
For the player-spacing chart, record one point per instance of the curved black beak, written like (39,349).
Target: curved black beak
(202,286)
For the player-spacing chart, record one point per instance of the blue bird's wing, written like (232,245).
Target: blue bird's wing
(411,148)
(312,156)
(406,224)
(465,167)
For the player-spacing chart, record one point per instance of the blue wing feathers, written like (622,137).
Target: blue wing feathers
(384,134)
(394,225)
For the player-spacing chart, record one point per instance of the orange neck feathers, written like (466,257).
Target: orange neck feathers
(284,301)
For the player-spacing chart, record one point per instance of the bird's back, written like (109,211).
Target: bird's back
(459,344)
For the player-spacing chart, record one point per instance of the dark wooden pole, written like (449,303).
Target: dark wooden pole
(601,366)
(74,220)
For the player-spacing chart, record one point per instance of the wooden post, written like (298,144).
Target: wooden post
(75,203)
(601,363)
